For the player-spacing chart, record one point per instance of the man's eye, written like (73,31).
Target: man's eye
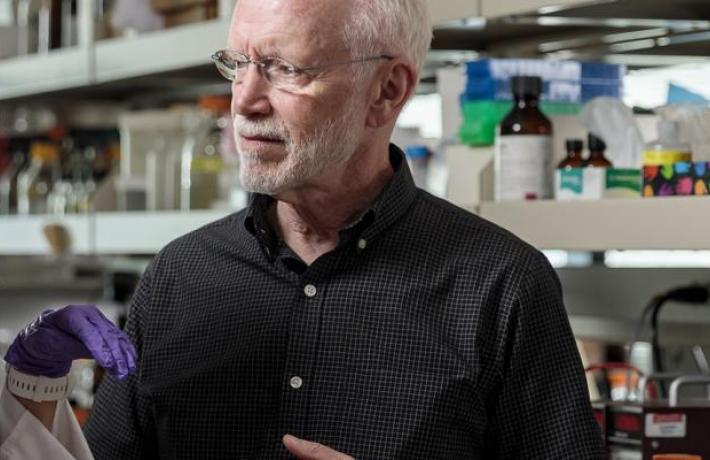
(284,69)
(239,65)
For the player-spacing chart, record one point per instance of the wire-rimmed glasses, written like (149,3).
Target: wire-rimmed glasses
(281,74)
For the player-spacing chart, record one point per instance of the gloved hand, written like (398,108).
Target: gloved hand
(56,338)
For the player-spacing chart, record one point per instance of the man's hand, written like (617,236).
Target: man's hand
(306,450)
(56,338)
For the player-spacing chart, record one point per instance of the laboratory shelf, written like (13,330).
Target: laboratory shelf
(672,223)
(161,51)
(178,56)
(42,73)
(103,233)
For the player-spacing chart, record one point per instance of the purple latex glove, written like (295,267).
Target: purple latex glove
(56,338)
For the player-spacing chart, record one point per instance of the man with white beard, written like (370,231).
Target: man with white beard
(343,314)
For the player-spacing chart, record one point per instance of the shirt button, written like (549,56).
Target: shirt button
(362,244)
(296,382)
(310,290)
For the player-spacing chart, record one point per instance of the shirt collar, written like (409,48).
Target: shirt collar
(387,208)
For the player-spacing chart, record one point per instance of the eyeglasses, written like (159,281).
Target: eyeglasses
(281,74)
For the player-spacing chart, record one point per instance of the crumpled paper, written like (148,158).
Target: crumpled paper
(694,122)
(614,122)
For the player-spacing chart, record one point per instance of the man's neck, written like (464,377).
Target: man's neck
(309,220)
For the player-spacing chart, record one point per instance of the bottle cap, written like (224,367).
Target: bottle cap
(417,151)
(526,86)
(574,145)
(596,143)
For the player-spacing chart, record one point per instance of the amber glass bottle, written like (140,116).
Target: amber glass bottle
(523,153)
(574,158)
(596,153)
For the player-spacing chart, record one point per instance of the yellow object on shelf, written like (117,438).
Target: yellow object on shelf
(665,157)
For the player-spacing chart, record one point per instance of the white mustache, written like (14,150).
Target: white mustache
(268,129)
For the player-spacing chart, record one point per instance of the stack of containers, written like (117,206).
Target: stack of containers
(668,166)
(566,86)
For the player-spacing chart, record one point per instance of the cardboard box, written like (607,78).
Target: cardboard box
(679,179)
(597,183)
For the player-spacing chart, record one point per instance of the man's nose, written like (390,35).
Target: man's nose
(251,96)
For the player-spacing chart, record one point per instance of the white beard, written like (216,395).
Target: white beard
(329,145)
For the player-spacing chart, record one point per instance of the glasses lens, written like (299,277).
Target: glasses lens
(224,65)
(230,65)
(281,74)
(285,75)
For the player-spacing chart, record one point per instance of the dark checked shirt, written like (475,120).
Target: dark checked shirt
(428,333)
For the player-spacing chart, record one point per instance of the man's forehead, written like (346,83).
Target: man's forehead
(316,24)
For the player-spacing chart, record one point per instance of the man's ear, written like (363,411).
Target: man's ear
(392,89)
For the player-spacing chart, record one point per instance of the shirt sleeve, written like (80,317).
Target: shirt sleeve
(542,408)
(24,437)
(121,425)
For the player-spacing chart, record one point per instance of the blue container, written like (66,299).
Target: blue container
(602,71)
(486,89)
(417,151)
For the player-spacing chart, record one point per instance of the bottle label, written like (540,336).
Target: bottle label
(523,166)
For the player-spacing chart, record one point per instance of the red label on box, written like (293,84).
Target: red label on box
(667,418)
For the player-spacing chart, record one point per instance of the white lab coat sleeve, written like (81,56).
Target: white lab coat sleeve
(23,437)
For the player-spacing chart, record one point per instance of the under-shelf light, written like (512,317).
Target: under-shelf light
(657,259)
(568,259)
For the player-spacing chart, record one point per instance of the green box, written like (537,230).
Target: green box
(480,118)
(597,183)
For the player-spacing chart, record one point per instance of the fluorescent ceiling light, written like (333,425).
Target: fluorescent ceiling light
(616,23)
(551,9)
(653,60)
(636,35)
(633,46)
(475,23)
(549,47)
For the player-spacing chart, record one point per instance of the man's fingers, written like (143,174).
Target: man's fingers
(90,326)
(129,354)
(129,351)
(307,450)
(111,335)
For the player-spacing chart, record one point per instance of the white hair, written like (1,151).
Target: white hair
(399,28)
(393,27)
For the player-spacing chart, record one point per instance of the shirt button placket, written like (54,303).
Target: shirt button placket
(303,345)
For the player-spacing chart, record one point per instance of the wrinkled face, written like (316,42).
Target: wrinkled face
(287,140)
